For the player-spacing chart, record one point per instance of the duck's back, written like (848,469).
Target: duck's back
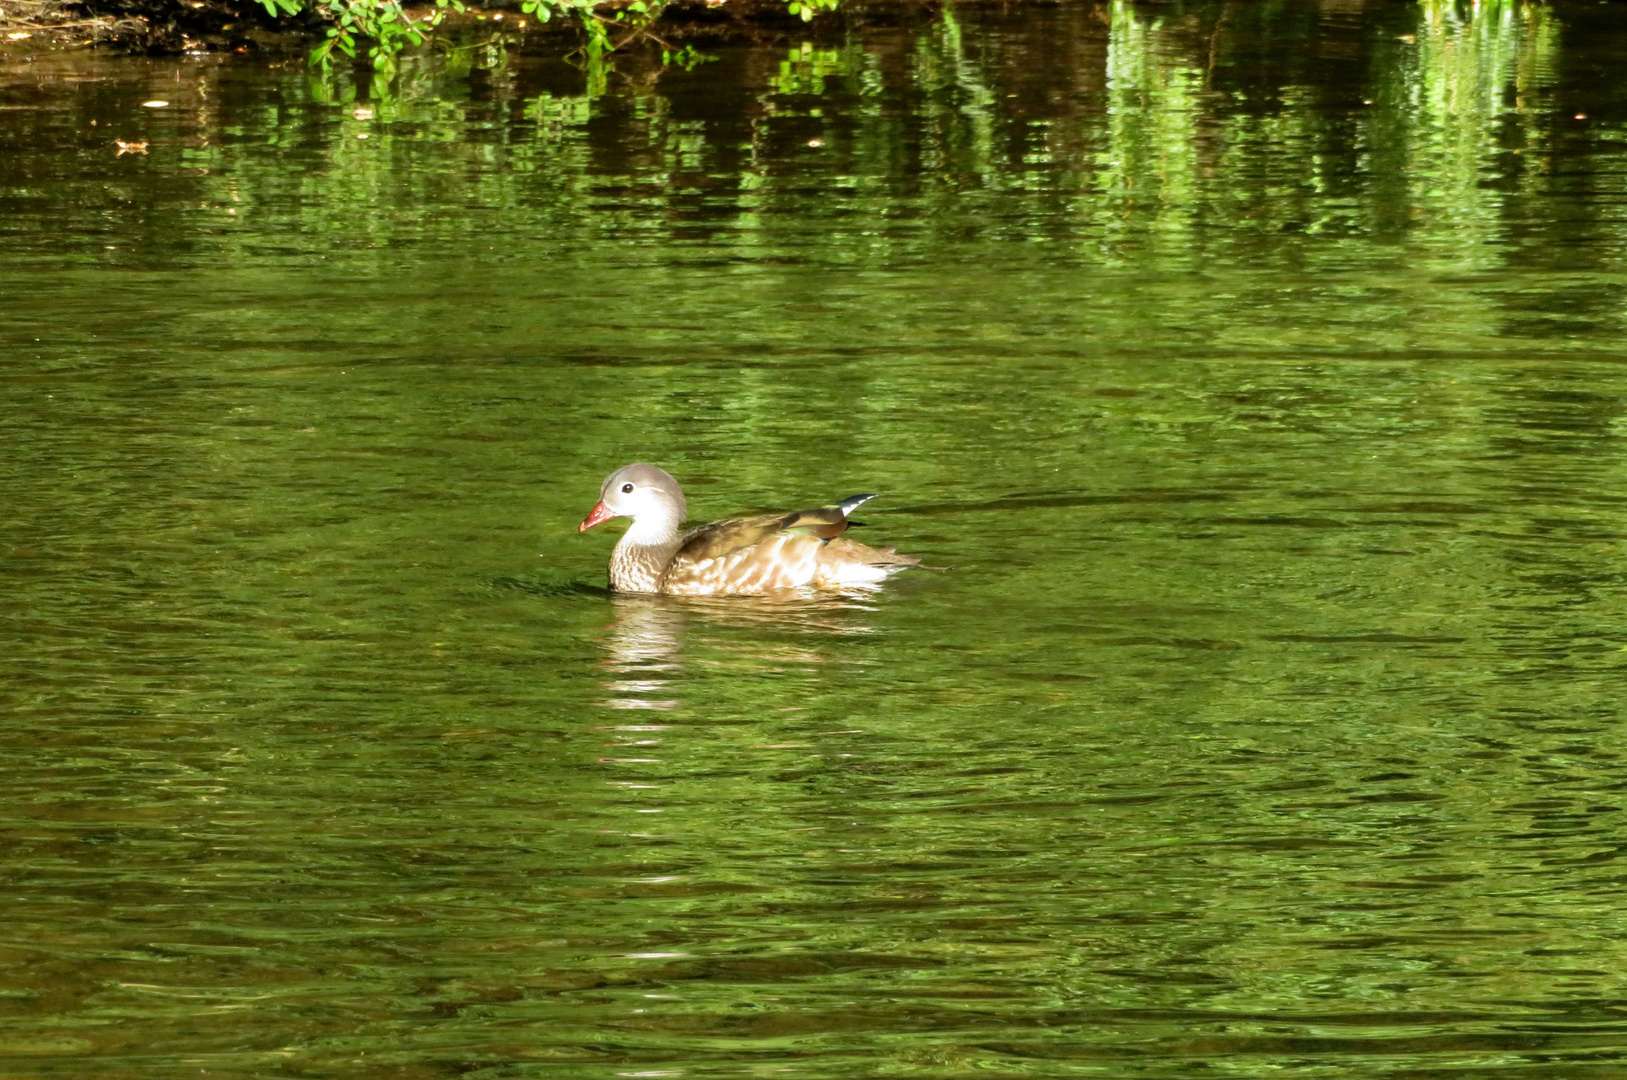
(744,556)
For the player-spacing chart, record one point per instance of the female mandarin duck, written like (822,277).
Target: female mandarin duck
(737,557)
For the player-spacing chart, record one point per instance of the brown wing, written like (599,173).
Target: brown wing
(721,537)
(757,554)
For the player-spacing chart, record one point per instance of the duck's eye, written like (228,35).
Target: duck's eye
(627,489)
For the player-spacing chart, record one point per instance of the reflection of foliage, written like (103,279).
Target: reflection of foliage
(804,69)
(1466,59)
(394,85)
(807,9)
(604,37)
(606,34)
(601,31)
(1150,160)
(1144,147)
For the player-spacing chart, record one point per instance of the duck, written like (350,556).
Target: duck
(745,556)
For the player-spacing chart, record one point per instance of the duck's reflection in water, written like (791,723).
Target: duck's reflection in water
(642,652)
(653,639)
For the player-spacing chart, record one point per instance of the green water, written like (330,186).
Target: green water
(1257,369)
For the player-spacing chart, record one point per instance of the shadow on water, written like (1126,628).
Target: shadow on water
(544,585)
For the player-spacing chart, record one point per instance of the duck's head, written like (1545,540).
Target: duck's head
(638,491)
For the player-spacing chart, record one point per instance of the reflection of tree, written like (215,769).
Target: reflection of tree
(1475,68)
(1148,170)
(1134,130)
(1138,136)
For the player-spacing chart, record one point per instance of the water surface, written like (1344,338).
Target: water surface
(1256,369)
